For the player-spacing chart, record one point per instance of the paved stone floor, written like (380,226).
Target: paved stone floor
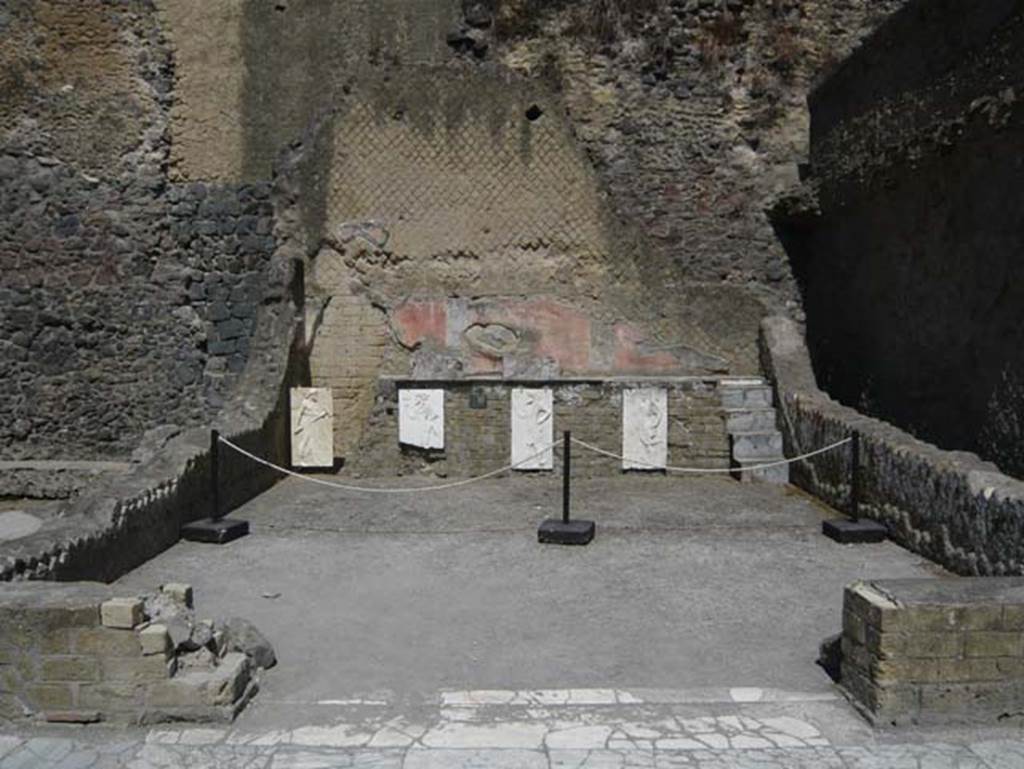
(553,729)
(433,631)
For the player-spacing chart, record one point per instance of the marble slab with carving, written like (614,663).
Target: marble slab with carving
(312,427)
(645,428)
(533,428)
(421,418)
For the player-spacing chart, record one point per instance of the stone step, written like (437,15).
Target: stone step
(750,420)
(747,397)
(778,475)
(765,445)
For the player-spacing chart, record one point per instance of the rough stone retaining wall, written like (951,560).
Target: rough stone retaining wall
(927,651)
(53,479)
(78,654)
(125,520)
(951,507)
(908,257)
(478,440)
(126,301)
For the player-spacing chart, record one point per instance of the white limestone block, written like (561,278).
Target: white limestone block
(312,427)
(645,428)
(533,428)
(421,418)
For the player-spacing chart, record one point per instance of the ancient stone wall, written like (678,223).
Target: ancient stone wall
(950,507)
(909,258)
(621,176)
(694,117)
(478,427)
(127,302)
(933,652)
(79,654)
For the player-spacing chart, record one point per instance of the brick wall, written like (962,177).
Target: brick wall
(478,439)
(75,653)
(927,651)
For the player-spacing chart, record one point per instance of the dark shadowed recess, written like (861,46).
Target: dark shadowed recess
(910,263)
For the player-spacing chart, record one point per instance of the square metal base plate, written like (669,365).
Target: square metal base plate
(556,532)
(849,532)
(218,532)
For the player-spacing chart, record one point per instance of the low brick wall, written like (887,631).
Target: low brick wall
(934,651)
(76,653)
(949,506)
(478,427)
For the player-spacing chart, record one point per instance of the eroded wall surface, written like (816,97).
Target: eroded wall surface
(127,301)
(911,269)
(557,199)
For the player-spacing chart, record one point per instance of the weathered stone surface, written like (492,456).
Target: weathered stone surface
(123,613)
(911,652)
(69,669)
(105,642)
(155,639)
(220,686)
(136,670)
(179,592)
(72,716)
(240,635)
(937,503)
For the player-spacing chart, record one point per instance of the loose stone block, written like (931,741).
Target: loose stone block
(421,418)
(222,685)
(121,612)
(180,592)
(155,640)
(533,428)
(645,429)
(312,427)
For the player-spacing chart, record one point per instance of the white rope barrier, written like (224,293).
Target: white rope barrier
(714,470)
(371,490)
(507,468)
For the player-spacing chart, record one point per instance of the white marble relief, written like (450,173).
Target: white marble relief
(312,427)
(421,418)
(645,429)
(533,428)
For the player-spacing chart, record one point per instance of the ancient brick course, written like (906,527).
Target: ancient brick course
(921,651)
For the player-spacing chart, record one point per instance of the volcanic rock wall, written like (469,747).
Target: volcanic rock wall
(126,300)
(910,265)
(599,168)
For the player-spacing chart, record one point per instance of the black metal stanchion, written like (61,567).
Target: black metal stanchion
(855,530)
(566,531)
(216,529)
(215,473)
